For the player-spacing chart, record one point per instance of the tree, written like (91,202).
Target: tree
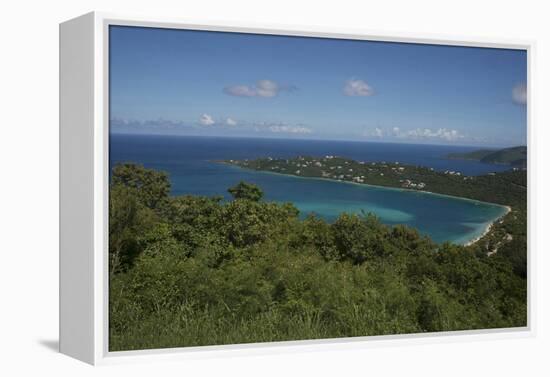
(152,186)
(356,238)
(128,219)
(244,190)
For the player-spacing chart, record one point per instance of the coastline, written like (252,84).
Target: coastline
(423,192)
(487,228)
(470,242)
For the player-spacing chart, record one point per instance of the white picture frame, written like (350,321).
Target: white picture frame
(84,164)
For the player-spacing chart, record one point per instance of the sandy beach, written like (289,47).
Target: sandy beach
(488,228)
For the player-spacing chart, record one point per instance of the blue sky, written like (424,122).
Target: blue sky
(228,84)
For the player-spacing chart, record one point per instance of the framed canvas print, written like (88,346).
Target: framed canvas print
(226,188)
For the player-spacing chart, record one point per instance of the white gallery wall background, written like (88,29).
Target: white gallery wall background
(29,185)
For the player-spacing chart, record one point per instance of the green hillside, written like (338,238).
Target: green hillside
(197,270)
(515,156)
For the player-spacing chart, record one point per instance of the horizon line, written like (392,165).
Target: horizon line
(495,146)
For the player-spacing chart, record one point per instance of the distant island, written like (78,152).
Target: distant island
(514,156)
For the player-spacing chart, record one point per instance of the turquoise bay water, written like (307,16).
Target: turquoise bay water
(188,162)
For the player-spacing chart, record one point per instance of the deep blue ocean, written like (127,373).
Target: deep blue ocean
(188,161)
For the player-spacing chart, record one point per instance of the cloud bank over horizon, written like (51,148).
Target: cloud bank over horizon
(208,124)
(418,134)
(206,120)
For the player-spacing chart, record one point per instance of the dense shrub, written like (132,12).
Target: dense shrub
(195,271)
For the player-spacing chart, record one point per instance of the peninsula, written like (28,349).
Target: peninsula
(515,156)
(504,188)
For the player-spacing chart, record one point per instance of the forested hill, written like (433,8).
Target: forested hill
(195,270)
(515,156)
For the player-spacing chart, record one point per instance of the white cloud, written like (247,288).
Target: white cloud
(519,94)
(281,128)
(357,88)
(428,133)
(267,88)
(150,124)
(240,91)
(290,129)
(262,88)
(230,122)
(206,120)
(415,134)
(377,132)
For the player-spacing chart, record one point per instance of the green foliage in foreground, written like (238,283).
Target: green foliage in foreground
(245,190)
(189,271)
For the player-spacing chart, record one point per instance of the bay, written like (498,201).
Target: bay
(189,162)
